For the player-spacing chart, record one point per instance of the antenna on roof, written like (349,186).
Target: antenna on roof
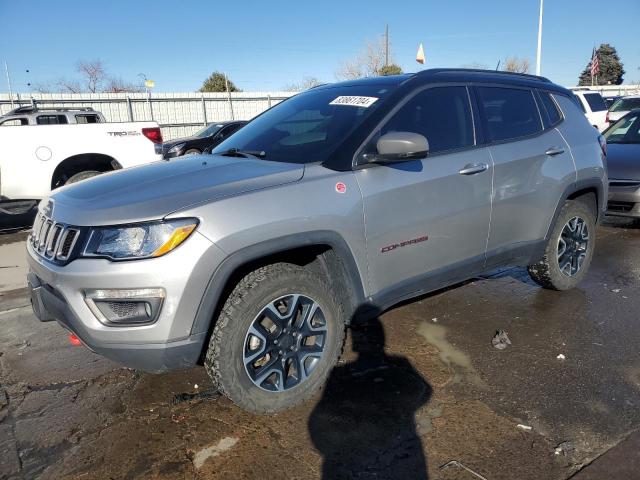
(498,65)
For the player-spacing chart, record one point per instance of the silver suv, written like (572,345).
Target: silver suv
(34,115)
(328,208)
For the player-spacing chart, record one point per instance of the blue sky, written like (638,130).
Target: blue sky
(265,45)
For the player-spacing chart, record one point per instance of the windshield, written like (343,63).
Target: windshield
(625,130)
(307,128)
(625,104)
(209,130)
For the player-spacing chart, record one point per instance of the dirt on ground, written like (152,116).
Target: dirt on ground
(420,392)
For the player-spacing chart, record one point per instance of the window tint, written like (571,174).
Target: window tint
(51,119)
(551,115)
(595,101)
(13,122)
(87,119)
(626,104)
(509,112)
(442,115)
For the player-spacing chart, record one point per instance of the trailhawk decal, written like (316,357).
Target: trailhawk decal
(406,243)
(364,102)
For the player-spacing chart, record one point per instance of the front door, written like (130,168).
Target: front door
(428,218)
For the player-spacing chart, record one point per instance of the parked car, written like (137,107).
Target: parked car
(623,106)
(328,208)
(593,106)
(36,159)
(206,138)
(34,115)
(623,162)
(611,99)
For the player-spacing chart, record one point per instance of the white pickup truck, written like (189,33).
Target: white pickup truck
(35,159)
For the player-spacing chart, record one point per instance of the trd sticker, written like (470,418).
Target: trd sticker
(364,102)
(405,243)
(341,187)
(123,134)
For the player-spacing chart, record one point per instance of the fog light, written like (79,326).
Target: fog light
(125,307)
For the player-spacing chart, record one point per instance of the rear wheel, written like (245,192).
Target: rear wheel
(82,176)
(277,338)
(569,249)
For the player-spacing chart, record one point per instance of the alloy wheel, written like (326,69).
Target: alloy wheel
(572,246)
(285,342)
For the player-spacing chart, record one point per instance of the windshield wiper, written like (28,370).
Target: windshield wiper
(235,152)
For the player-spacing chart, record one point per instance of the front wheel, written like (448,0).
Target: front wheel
(279,334)
(569,249)
(192,151)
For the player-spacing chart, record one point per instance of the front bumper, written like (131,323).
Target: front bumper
(624,199)
(57,293)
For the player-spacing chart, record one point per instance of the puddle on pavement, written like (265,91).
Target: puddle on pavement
(450,355)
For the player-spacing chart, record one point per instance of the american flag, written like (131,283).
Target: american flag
(595,64)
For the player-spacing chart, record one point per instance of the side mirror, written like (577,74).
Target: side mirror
(400,147)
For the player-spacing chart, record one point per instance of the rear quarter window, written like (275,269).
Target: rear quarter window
(550,113)
(595,101)
(509,113)
(87,119)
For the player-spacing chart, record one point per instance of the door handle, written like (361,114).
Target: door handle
(473,168)
(554,151)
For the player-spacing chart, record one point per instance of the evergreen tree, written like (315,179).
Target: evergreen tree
(611,70)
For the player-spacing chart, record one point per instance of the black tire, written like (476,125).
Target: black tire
(548,273)
(192,151)
(224,360)
(82,176)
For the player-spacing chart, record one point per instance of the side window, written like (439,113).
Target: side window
(509,112)
(51,119)
(441,114)
(550,113)
(595,101)
(87,119)
(14,122)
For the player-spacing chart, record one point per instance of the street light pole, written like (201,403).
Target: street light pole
(6,69)
(539,53)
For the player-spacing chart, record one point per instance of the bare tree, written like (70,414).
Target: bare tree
(69,86)
(118,85)
(517,65)
(93,74)
(305,84)
(367,63)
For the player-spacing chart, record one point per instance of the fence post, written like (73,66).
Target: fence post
(204,110)
(230,104)
(269,100)
(149,102)
(129,108)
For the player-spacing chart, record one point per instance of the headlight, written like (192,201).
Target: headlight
(176,149)
(142,240)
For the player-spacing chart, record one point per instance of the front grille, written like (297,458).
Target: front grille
(620,206)
(53,240)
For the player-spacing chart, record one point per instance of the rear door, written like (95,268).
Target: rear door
(430,217)
(532,168)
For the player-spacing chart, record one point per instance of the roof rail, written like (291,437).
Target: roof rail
(477,70)
(35,108)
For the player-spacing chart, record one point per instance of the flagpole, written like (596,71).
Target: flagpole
(539,53)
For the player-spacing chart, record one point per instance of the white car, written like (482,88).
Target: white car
(594,107)
(35,159)
(622,106)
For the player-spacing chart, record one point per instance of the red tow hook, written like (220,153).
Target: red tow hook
(75,341)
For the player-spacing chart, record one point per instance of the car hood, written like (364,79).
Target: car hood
(155,190)
(623,161)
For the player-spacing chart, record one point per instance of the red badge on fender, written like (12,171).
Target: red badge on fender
(341,187)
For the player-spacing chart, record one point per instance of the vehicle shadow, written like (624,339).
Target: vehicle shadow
(364,425)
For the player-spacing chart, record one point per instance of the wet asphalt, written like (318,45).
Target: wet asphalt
(417,389)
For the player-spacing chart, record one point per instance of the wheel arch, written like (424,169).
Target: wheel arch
(84,161)
(325,251)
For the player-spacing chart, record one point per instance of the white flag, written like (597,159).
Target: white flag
(420,55)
